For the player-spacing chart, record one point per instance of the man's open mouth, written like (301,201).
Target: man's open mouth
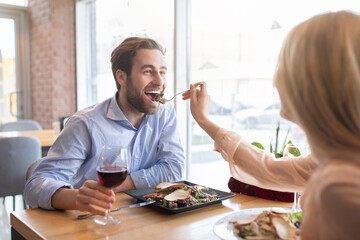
(152,94)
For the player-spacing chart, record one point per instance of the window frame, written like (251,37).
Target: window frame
(22,54)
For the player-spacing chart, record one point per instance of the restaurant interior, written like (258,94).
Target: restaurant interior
(55,61)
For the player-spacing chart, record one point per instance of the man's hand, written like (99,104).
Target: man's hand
(92,197)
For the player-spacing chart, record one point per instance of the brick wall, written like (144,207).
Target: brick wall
(52,59)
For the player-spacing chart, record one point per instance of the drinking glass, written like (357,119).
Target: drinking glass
(296,151)
(112,170)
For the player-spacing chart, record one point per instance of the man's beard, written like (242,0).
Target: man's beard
(136,100)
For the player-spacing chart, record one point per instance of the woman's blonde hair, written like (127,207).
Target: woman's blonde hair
(319,78)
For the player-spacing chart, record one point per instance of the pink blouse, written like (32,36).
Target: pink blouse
(331,191)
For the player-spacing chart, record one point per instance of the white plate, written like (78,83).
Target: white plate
(225,230)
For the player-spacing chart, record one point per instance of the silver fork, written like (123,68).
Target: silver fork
(161,99)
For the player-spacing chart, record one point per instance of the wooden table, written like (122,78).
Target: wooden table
(46,137)
(137,223)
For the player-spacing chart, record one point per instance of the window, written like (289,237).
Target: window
(23,3)
(234,48)
(14,64)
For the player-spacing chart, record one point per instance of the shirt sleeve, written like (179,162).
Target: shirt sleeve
(260,168)
(170,161)
(57,169)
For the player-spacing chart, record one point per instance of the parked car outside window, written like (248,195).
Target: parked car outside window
(258,118)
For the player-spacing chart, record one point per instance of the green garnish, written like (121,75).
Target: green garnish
(199,195)
(295,217)
(164,204)
(166,191)
(247,231)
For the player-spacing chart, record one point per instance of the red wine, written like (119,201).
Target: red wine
(111,176)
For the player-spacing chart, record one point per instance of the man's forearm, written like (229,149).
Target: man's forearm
(64,198)
(128,184)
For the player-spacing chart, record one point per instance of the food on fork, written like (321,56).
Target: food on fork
(176,195)
(160,98)
(269,225)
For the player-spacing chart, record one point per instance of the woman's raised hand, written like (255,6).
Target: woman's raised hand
(199,101)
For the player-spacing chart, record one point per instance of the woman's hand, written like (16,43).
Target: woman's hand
(199,106)
(199,101)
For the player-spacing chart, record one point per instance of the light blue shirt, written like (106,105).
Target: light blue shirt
(156,151)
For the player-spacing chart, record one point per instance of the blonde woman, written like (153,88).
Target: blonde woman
(318,80)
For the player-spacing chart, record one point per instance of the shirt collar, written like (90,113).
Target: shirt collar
(114,112)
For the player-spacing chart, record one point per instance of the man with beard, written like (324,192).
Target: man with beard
(66,178)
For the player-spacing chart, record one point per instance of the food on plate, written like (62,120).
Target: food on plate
(165,185)
(176,195)
(269,225)
(200,188)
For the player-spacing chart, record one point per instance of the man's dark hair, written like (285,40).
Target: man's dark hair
(122,56)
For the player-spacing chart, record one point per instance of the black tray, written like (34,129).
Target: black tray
(139,193)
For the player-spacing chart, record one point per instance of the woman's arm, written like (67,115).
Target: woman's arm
(199,106)
(248,163)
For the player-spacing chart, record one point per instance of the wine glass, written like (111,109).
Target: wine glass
(112,170)
(296,151)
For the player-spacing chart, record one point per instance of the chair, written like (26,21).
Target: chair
(31,168)
(63,121)
(20,125)
(16,155)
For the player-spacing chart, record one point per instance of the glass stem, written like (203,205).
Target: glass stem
(108,214)
(295,200)
(108,217)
